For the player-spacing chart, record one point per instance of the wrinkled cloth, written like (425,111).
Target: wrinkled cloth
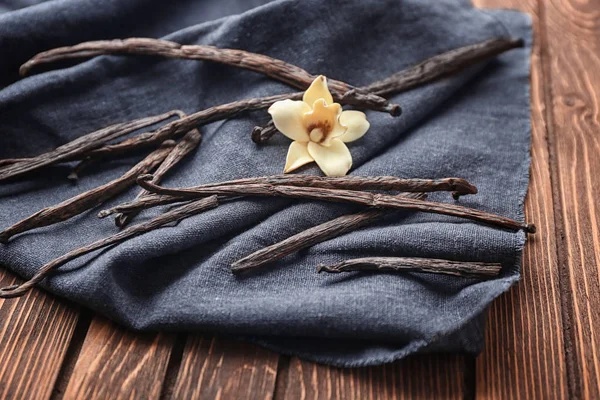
(474,125)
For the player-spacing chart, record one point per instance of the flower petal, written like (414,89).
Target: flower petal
(317,90)
(356,124)
(288,118)
(297,156)
(334,160)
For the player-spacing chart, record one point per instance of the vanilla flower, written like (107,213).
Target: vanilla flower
(319,129)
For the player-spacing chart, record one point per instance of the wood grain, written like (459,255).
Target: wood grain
(571,30)
(524,355)
(420,377)
(35,331)
(115,363)
(219,368)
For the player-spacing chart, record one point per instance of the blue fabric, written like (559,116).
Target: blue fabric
(473,125)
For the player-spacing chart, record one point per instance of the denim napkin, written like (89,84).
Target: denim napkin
(473,125)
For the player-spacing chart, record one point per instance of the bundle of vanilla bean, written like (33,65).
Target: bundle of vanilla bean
(171,142)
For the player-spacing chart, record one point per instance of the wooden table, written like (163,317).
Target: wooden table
(542,337)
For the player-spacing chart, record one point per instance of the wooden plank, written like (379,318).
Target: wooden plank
(115,363)
(418,377)
(218,368)
(571,30)
(524,354)
(35,331)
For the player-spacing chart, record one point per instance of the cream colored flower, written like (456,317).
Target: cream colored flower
(319,129)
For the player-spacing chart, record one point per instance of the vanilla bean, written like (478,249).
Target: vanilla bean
(81,165)
(143,203)
(169,217)
(223,111)
(442,65)
(311,236)
(432,69)
(84,201)
(353,182)
(10,161)
(145,139)
(457,185)
(467,269)
(261,134)
(80,146)
(269,66)
(187,144)
(340,195)
(134,143)
(185,124)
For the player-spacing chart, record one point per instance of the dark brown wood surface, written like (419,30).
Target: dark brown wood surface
(114,363)
(525,352)
(572,41)
(224,368)
(420,377)
(542,339)
(35,333)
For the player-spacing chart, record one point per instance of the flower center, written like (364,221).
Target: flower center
(319,131)
(317,135)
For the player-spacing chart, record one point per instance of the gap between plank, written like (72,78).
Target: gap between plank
(566,297)
(173,366)
(281,380)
